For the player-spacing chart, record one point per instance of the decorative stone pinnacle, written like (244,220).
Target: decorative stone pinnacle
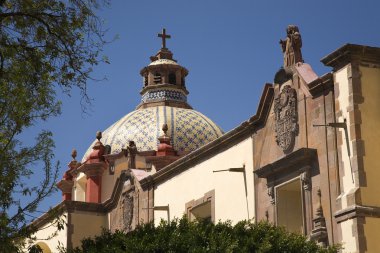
(319,209)
(98,144)
(98,135)
(74,154)
(164,138)
(165,128)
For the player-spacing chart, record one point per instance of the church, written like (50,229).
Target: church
(305,160)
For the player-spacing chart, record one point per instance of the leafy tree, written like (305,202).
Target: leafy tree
(202,236)
(44,45)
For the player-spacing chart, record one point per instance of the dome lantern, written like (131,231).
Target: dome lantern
(164,80)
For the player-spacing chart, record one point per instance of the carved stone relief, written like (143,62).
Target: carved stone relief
(127,207)
(271,194)
(286,126)
(306,180)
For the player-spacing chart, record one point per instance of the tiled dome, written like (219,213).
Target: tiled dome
(188,129)
(163,100)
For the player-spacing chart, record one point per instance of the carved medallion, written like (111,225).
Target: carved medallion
(286,126)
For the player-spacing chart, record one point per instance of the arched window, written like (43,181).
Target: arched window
(172,78)
(40,247)
(157,78)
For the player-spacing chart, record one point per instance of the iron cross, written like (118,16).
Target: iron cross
(164,36)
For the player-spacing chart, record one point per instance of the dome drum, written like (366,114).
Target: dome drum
(164,74)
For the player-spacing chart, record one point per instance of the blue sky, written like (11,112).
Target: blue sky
(231,49)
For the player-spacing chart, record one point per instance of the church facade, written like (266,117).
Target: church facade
(306,160)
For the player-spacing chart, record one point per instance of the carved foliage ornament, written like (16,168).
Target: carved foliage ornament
(285,109)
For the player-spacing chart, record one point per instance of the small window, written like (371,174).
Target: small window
(201,212)
(172,78)
(183,82)
(202,208)
(157,78)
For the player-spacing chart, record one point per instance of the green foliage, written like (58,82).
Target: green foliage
(44,45)
(203,236)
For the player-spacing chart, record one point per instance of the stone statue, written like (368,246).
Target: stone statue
(291,46)
(132,151)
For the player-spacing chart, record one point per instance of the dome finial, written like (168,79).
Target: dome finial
(98,144)
(98,135)
(165,128)
(74,154)
(164,36)
(165,148)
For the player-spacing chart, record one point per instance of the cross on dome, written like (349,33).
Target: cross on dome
(164,36)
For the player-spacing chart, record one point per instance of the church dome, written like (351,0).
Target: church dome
(163,101)
(187,128)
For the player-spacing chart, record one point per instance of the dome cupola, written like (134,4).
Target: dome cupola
(163,102)
(164,80)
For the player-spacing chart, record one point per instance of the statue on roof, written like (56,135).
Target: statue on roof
(291,46)
(132,151)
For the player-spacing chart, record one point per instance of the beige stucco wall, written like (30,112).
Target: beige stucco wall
(371,231)
(231,202)
(370,126)
(79,189)
(108,181)
(370,134)
(50,229)
(86,224)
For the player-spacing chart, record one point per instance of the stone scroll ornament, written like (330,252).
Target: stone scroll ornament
(286,126)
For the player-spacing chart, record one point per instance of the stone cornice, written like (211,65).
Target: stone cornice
(297,159)
(67,206)
(231,137)
(164,86)
(165,67)
(322,83)
(113,157)
(65,185)
(92,169)
(164,103)
(351,52)
(357,211)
